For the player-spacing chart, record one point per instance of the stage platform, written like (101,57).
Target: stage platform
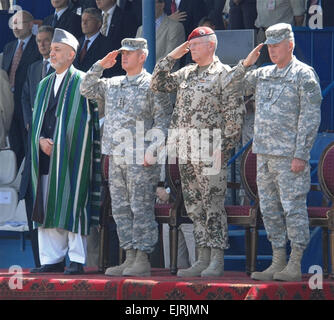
(160,286)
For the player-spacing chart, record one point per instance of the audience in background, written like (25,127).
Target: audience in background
(18,55)
(6,106)
(64,18)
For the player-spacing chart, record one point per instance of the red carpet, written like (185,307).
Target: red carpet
(160,286)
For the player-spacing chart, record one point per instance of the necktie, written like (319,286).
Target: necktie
(55,20)
(173,6)
(83,51)
(15,64)
(104,28)
(45,68)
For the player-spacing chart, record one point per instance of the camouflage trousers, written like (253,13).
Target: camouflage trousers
(132,191)
(282,196)
(204,197)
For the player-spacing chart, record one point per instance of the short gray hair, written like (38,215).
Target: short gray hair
(46,28)
(95,13)
(212,38)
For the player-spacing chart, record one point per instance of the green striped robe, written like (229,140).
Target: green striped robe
(73,193)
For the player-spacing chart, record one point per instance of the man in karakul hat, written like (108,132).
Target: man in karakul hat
(65,173)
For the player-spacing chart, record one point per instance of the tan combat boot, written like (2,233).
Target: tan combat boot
(292,272)
(216,266)
(277,265)
(118,270)
(201,264)
(141,266)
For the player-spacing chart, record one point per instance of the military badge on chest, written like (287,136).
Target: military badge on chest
(270,93)
(121,102)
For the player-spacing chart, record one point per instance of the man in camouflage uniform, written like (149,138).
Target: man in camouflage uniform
(131,110)
(206,100)
(287,117)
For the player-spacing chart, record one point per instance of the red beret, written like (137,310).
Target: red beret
(200,32)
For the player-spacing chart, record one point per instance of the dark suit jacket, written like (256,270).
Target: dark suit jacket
(34,76)
(29,56)
(97,50)
(135,7)
(68,21)
(196,10)
(215,9)
(123,25)
(84,4)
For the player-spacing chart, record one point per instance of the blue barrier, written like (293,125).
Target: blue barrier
(316,48)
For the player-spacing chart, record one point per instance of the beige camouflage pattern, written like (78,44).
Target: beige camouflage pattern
(204,197)
(206,99)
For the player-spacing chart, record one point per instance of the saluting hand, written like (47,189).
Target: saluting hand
(109,60)
(253,56)
(180,51)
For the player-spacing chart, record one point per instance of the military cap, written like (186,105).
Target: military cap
(200,32)
(62,36)
(279,32)
(132,44)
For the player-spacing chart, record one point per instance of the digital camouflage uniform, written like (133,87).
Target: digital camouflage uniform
(206,99)
(287,118)
(130,105)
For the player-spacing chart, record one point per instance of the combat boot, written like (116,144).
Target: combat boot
(216,266)
(141,266)
(277,265)
(118,270)
(292,272)
(201,264)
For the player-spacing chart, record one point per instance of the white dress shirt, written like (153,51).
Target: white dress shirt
(59,79)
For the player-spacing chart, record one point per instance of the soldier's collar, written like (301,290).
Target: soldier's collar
(211,68)
(137,80)
(283,72)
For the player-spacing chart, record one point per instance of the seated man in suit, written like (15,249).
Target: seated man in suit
(64,18)
(18,55)
(36,72)
(93,45)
